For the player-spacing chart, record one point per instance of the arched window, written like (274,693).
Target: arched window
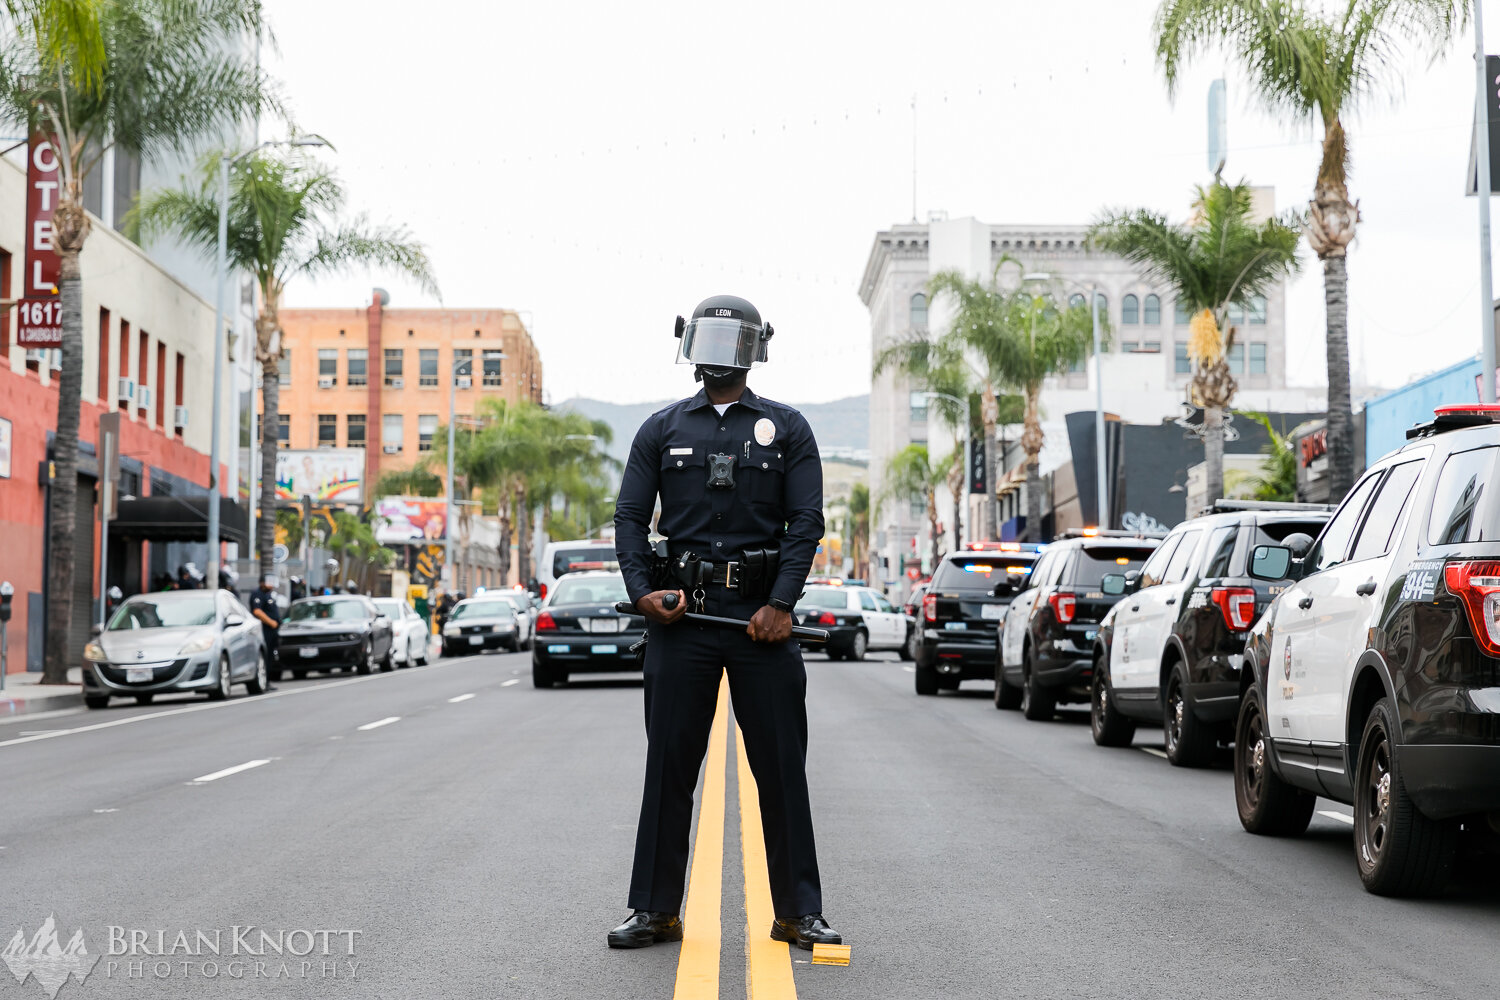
(1075,300)
(919,311)
(1130,310)
(1153,311)
(1101,302)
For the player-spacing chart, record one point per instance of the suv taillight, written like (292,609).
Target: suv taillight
(1477,584)
(1238,605)
(544,622)
(929,607)
(1063,606)
(543,594)
(826,618)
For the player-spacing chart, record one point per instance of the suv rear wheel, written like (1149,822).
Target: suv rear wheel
(1007,695)
(1400,852)
(1110,728)
(927,680)
(1189,742)
(1038,703)
(1266,804)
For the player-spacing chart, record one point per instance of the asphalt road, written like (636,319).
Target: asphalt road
(481,847)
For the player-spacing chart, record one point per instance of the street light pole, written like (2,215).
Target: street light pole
(1482,183)
(1101,493)
(448,492)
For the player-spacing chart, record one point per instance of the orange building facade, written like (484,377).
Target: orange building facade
(378,378)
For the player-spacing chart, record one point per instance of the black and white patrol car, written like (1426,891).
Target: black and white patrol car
(857,620)
(1374,679)
(1171,651)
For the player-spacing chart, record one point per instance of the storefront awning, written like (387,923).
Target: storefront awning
(178,519)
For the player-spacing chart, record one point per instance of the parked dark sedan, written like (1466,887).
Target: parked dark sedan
(343,631)
(481,623)
(579,631)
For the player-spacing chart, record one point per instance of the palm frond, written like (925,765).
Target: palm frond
(357,243)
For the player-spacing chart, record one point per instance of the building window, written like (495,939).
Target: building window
(1130,310)
(161,384)
(918,406)
(328,430)
(1181,363)
(392,434)
(492,370)
(1148,347)
(395,364)
(143,369)
(463,365)
(1180,314)
(354,430)
(1236,314)
(103,355)
(1257,359)
(328,367)
(359,365)
(284,430)
(919,311)
(284,367)
(1075,300)
(426,428)
(1101,303)
(427,371)
(918,507)
(1236,356)
(1153,311)
(124,341)
(1258,309)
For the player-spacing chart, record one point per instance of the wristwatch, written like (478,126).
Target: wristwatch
(780,605)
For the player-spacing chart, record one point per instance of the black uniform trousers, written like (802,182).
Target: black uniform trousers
(768,688)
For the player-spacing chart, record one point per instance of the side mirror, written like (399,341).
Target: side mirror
(233,621)
(1271,562)
(1113,584)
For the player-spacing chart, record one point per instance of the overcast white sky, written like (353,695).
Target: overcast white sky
(602,167)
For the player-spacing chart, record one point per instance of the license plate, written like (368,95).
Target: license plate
(955,626)
(307,652)
(557,649)
(606,649)
(138,675)
(476,640)
(992,612)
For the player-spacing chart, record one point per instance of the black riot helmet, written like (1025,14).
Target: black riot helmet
(725,336)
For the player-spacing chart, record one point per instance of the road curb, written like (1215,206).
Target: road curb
(46,703)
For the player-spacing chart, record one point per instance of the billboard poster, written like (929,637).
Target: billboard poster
(328,475)
(410,520)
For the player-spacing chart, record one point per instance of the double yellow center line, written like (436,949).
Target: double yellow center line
(768,965)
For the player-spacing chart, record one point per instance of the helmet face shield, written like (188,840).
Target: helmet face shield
(721,342)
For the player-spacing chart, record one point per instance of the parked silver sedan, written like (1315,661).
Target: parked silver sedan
(175,641)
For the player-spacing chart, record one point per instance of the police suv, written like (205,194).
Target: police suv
(1374,678)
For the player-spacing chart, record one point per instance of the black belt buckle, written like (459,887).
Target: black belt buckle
(731,575)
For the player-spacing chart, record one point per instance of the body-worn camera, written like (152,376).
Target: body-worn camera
(721,472)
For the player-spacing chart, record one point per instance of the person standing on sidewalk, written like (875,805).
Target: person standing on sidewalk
(267,611)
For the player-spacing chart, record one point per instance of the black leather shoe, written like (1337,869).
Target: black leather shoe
(645,928)
(805,931)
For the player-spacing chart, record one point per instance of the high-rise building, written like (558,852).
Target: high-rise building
(378,378)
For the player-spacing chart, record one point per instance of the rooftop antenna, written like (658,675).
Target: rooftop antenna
(914,157)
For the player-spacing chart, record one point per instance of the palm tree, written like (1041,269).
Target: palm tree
(284,224)
(167,77)
(1306,65)
(912,477)
(859,529)
(1278,475)
(1218,259)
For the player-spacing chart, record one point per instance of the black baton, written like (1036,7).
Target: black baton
(798,631)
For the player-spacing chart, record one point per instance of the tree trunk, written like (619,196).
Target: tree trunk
(270,428)
(989,417)
(1031,444)
(63,489)
(932,521)
(505,535)
(1213,455)
(956,487)
(523,535)
(1341,457)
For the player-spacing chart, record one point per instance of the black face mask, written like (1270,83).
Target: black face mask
(720,378)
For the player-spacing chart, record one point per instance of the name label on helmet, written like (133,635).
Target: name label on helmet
(723,312)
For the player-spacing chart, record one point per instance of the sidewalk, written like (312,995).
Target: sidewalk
(23,694)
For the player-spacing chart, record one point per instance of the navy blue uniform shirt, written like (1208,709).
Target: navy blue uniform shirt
(777,499)
(261,600)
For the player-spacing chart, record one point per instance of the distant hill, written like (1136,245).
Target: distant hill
(843,423)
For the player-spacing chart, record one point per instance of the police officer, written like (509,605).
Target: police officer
(267,611)
(741,489)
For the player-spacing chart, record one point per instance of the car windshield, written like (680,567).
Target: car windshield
(147,612)
(483,609)
(334,610)
(1095,563)
(980,572)
(583,558)
(595,590)
(830,597)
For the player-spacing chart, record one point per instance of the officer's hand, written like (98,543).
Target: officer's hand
(651,606)
(770,625)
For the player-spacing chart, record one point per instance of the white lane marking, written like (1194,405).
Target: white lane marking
(208,707)
(1153,752)
(462,697)
(39,716)
(380,722)
(106,810)
(1336,815)
(215,776)
(36,732)
(513,680)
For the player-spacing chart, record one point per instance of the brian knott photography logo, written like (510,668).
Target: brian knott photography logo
(45,960)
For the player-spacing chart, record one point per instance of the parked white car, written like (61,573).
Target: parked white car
(525,613)
(409,633)
(857,619)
